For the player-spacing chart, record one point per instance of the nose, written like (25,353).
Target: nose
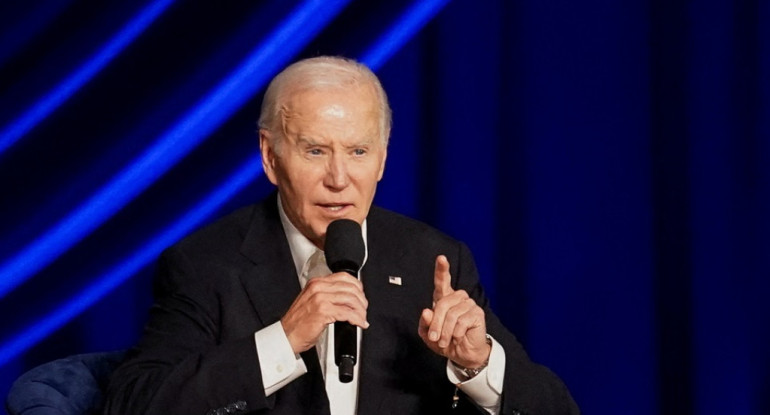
(337,177)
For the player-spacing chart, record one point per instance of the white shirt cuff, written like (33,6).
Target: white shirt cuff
(277,361)
(486,388)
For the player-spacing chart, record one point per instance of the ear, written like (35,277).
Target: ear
(268,156)
(382,164)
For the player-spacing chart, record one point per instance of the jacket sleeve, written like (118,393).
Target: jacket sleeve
(528,388)
(179,366)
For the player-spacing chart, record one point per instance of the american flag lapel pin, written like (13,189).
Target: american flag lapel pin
(394,280)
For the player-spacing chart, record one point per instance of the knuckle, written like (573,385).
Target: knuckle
(441,307)
(313,285)
(453,315)
(464,323)
(312,302)
(313,282)
(448,326)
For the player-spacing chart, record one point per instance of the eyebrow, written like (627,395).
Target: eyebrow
(312,142)
(364,143)
(308,140)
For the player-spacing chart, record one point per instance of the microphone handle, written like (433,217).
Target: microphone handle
(345,349)
(345,343)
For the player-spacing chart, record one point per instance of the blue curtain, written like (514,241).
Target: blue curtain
(607,162)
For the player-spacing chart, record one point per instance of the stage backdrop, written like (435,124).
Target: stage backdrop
(608,162)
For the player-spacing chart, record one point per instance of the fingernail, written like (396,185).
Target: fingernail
(367,324)
(433,336)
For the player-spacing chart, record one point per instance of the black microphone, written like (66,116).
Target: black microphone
(344,250)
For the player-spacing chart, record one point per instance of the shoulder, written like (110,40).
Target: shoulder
(223,240)
(394,228)
(212,254)
(220,235)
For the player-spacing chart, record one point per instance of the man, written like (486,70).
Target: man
(241,326)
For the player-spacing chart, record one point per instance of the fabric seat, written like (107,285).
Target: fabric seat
(69,386)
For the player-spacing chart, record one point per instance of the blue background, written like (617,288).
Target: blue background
(608,162)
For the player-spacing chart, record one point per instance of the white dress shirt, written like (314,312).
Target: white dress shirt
(280,366)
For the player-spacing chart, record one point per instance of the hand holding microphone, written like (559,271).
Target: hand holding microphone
(345,251)
(338,298)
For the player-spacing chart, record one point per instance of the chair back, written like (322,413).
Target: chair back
(70,386)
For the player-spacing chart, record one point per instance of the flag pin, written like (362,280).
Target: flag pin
(394,280)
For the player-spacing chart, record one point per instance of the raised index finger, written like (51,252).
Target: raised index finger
(442,279)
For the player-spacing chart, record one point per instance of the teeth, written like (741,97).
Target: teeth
(335,208)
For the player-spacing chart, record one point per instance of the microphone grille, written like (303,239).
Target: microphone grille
(344,243)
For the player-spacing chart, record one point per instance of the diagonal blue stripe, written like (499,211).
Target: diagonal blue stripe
(128,267)
(417,16)
(289,38)
(249,171)
(48,103)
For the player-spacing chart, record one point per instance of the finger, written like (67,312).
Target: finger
(337,284)
(328,303)
(471,346)
(324,299)
(468,321)
(453,315)
(354,317)
(344,276)
(440,313)
(442,279)
(346,280)
(425,319)
(350,301)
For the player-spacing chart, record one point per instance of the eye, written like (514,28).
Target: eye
(359,151)
(315,152)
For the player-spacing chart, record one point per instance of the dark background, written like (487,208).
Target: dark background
(608,162)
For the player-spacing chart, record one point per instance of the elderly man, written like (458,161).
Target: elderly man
(241,326)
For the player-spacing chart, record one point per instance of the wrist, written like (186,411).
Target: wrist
(473,370)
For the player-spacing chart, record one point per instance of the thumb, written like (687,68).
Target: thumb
(425,319)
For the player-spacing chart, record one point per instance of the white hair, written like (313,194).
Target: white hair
(321,72)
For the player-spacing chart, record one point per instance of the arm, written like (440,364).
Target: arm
(198,349)
(527,386)
(179,366)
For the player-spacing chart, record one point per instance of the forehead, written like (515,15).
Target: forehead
(356,101)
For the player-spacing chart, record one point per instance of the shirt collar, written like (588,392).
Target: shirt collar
(301,247)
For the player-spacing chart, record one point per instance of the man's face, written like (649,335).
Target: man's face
(329,159)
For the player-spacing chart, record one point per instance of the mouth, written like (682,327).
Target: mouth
(335,208)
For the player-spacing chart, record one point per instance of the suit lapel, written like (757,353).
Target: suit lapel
(271,282)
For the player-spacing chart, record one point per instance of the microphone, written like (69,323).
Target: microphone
(344,250)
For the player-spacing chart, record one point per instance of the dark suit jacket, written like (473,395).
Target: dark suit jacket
(218,286)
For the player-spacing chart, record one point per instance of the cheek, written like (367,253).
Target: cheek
(300,177)
(303,184)
(369,177)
